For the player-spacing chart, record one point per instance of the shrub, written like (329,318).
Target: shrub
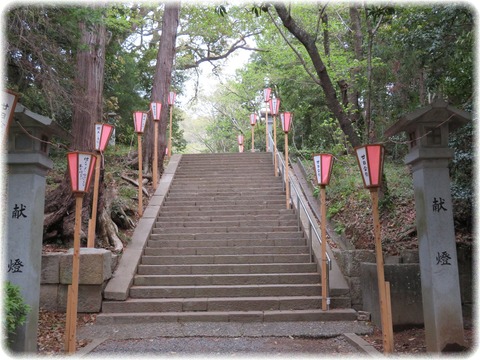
(15,309)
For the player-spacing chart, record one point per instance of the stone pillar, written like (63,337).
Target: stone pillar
(442,306)
(27,164)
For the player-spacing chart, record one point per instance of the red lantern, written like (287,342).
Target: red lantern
(274,105)
(253,119)
(156,109)
(370,161)
(102,135)
(80,168)
(286,118)
(240,139)
(266,94)
(171,98)
(139,119)
(323,164)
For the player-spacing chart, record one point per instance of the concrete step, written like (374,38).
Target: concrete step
(227,279)
(213,304)
(211,202)
(227,207)
(228,316)
(185,218)
(225,250)
(224,259)
(225,230)
(225,291)
(230,198)
(187,223)
(199,269)
(180,243)
(284,235)
(237,213)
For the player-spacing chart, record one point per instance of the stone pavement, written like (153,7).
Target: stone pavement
(227,338)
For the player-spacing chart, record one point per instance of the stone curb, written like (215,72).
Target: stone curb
(118,287)
(361,344)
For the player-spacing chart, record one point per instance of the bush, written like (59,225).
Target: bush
(15,309)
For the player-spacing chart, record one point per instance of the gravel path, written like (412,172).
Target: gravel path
(198,338)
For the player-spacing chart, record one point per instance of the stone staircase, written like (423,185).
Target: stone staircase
(224,248)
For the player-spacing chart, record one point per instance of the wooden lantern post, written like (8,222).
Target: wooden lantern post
(171,103)
(286,119)
(323,164)
(370,161)
(81,166)
(266,99)
(139,120)
(253,121)
(102,137)
(274,108)
(240,143)
(156,109)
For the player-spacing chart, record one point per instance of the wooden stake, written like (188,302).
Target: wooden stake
(155,155)
(384,306)
(287,180)
(275,145)
(323,214)
(92,223)
(267,148)
(389,316)
(72,301)
(140,178)
(170,137)
(253,139)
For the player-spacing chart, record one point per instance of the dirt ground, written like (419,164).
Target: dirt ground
(409,341)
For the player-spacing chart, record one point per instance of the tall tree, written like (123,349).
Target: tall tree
(162,80)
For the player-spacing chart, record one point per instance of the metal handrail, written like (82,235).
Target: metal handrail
(312,230)
(299,202)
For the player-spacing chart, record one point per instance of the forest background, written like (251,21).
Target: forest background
(346,70)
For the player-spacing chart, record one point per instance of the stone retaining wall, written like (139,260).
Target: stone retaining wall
(95,270)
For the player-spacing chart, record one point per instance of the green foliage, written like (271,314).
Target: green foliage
(15,309)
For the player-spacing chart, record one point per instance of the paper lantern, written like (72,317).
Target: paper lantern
(323,164)
(240,139)
(171,98)
(370,161)
(81,167)
(287,119)
(253,119)
(156,109)
(102,135)
(274,105)
(139,119)
(266,94)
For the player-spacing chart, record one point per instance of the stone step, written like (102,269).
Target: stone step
(213,304)
(186,218)
(225,229)
(190,186)
(193,211)
(212,202)
(225,291)
(228,316)
(224,259)
(291,235)
(230,198)
(172,195)
(227,207)
(187,223)
(219,243)
(227,279)
(199,269)
(225,250)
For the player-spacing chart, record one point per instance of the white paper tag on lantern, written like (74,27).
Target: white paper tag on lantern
(362,159)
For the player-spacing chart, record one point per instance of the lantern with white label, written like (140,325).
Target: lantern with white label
(102,137)
(323,164)
(286,119)
(274,108)
(81,166)
(139,120)
(370,161)
(266,98)
(253,121)
(171,102)
(156,109)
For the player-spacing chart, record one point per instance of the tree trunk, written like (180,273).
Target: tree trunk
(354,93)
(87,109)
(161,83)
(325,82)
